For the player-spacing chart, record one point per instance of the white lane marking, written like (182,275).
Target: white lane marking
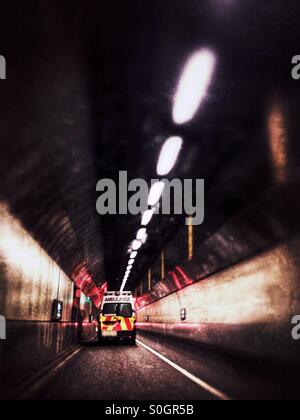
(35,384)
(189,375)
(63,363)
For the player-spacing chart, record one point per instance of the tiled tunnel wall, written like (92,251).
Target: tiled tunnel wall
(29,283)
(246,309)
(30,279)
(240,289)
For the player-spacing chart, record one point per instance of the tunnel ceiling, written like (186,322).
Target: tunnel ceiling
(89,93)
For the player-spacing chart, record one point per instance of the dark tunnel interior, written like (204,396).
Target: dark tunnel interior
(89,92)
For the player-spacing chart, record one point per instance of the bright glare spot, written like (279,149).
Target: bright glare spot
(193,85)
(156,193)
(169,155)
(147,217)
(131,262)
(136,245)
(133,255)
(141,234)
(144,240)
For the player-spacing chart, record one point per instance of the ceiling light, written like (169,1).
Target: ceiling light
(169,155)
(131,262)
(147,217)
(144,240)
(193,85)
(133,255)
(136,245)
(156,193)
(141,234)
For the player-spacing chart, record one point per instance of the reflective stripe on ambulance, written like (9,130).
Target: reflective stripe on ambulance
(118,324)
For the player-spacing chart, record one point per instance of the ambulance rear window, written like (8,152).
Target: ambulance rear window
(110,309)
(124,309)
(119,309)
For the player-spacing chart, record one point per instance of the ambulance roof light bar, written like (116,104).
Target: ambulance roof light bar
(118,293)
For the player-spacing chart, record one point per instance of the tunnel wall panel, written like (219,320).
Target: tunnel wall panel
(29,283)
(30,346)
(29,279)
(246,309)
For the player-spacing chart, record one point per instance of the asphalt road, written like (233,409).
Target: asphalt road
(156,369)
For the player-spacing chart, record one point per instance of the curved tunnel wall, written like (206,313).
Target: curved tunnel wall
(30,279)
(246,310)
(241,287)
(29,282)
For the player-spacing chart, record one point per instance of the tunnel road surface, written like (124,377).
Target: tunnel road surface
(156,369)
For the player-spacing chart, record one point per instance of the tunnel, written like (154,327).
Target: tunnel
(150,149)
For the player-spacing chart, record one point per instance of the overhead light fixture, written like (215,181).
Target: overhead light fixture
(169,155)
(156,193)
(144,240)
(133,255)
(141,234)
(147,217)
(193,85)
(136,245)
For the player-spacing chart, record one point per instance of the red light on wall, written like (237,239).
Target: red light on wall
(176,281)
(187,279)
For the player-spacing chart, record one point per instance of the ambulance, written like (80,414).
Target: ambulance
(117,320)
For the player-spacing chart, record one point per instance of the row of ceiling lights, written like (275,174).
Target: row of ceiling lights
(191,91)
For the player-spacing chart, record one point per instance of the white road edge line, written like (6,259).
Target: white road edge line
(64,362)
(39,383)
(220,395)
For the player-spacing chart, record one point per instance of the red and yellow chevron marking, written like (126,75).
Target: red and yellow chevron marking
(117,323)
